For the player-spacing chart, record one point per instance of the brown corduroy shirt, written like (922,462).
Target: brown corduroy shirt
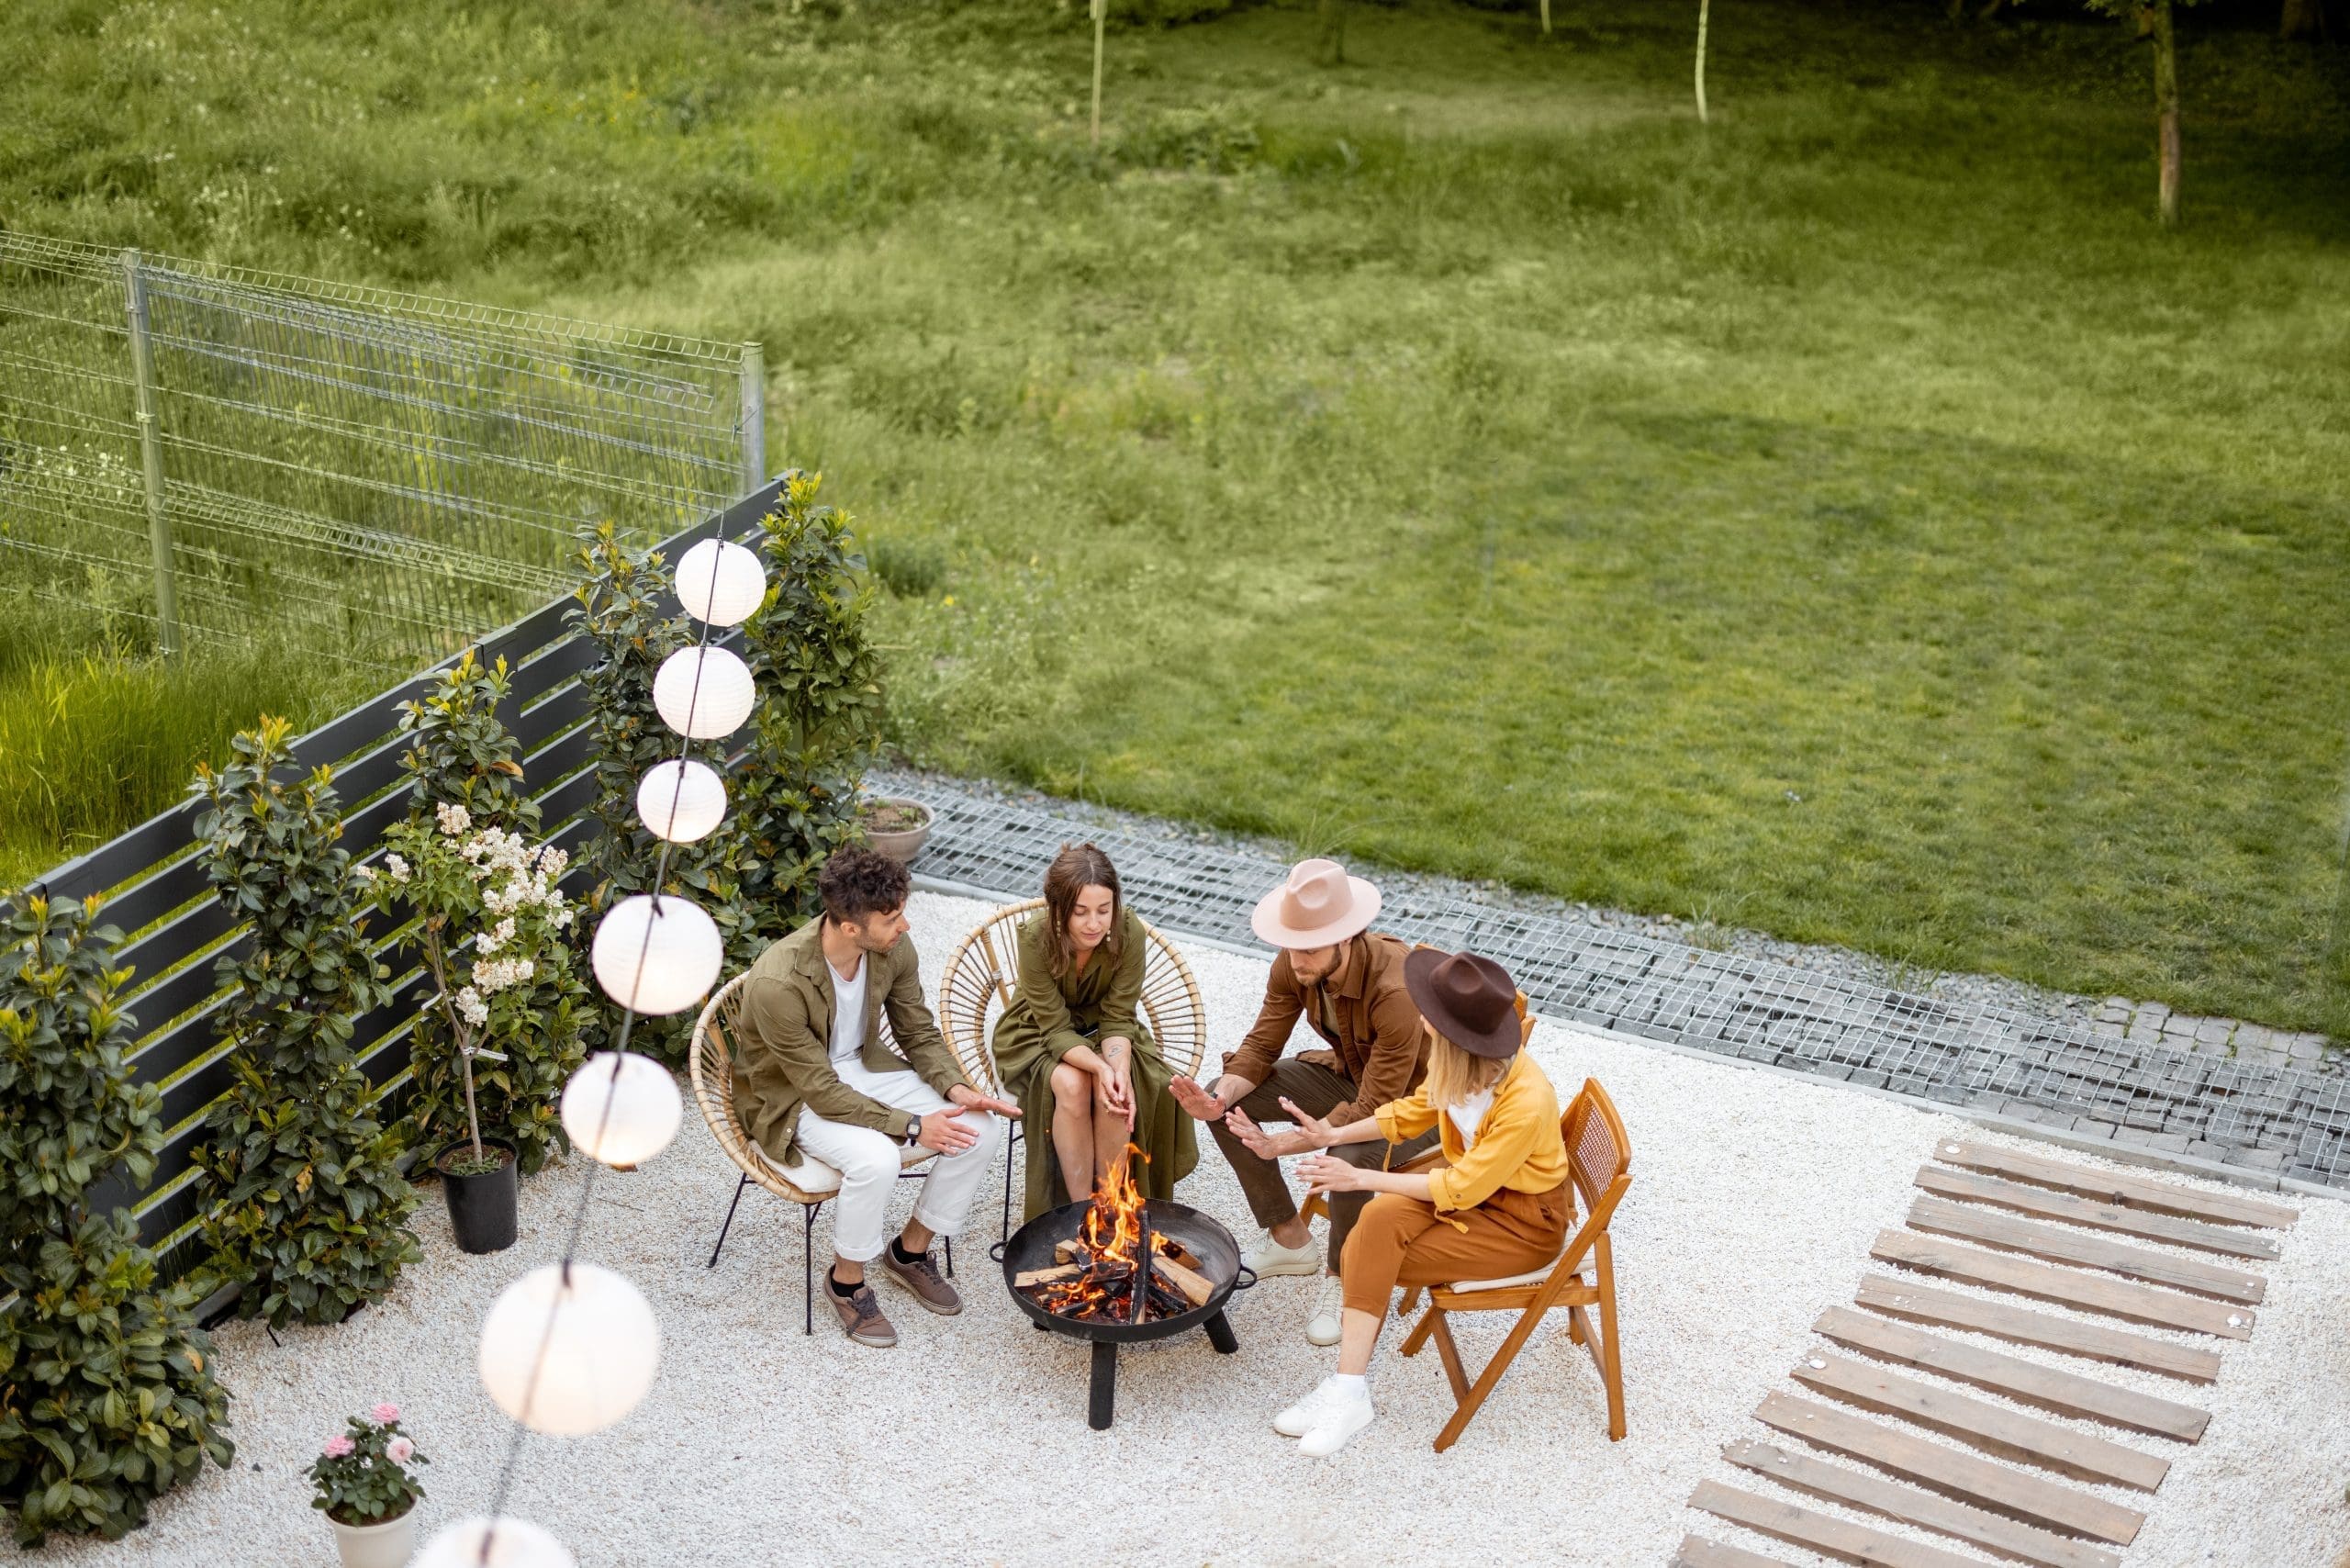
(1362,1011)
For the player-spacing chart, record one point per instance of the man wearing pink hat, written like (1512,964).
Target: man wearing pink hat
(1346,981)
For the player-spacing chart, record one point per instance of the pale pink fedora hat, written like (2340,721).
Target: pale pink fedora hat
(1317,905)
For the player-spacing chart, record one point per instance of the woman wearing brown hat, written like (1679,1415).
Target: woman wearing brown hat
(1498,1204)
(1071,1046)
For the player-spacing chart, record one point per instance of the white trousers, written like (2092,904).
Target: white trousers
(869,1162)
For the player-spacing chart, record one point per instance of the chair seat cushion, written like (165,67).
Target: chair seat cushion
(1510,1282)
(817,1179)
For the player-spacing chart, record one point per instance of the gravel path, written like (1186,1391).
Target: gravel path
(1755,1198)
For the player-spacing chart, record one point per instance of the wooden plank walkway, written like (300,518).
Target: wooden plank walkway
(2040,1229)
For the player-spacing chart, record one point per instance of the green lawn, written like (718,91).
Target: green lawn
(1852,518)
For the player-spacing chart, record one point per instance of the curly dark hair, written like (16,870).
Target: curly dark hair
(857,881)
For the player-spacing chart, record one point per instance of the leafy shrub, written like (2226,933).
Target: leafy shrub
(820,714)
(107,1394)
(1209,141)
(312,1211)
(911,568)
(540,1017)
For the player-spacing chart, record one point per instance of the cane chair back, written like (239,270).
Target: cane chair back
(1599,1163)
(985,967)
(711,1064)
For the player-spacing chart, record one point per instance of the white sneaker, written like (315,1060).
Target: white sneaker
(1322,1325)
(1340,1417)
(1300,1418)
(1269,1256)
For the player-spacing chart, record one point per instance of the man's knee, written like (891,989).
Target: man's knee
(872,1158)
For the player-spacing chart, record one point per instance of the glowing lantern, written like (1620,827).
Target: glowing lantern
(512,1542)
(704,694)
(680,800)
(621,1108)
(569,1348)
(656,957)
(721,583)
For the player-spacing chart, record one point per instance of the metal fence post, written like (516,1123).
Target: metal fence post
(151,456)
(755,417)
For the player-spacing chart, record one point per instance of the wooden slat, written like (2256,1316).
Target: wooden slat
(2083,1250)
(1823,1533)
(2066,1287)
(2041,1203)
(1948,1309)
(2112,1187)
(2027,1383)
(1872,1493)
(2010,1434)
(1696,1552)
(1973,1480)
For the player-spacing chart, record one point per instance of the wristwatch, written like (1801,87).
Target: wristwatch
(913,1131)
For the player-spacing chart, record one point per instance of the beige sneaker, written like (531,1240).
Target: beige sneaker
(861,1318)
(1269,1257)
(1322,1325)
(923,1278)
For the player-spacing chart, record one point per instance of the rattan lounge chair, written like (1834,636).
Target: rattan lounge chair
(977,986)
(810,1183)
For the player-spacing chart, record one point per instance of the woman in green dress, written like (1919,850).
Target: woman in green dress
(1071,1048)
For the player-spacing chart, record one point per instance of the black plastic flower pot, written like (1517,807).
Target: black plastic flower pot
(481,1208)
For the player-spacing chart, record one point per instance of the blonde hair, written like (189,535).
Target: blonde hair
(1455,1074)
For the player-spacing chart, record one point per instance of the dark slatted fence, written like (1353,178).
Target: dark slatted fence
(151,881)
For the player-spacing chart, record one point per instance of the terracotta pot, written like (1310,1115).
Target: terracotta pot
(901,845)
(481,1208)
(388,1543)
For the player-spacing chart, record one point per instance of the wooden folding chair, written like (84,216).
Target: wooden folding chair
(977,984)
(1599,1163)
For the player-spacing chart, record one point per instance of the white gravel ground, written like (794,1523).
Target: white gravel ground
(1754,1199)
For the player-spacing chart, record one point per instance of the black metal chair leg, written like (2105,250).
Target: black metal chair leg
(722,1229)
(1101,1394)
(950,1257)
(1010,1143)
(807,1265)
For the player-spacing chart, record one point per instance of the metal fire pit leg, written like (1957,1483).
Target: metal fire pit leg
(1220,1333)
(1105,1384)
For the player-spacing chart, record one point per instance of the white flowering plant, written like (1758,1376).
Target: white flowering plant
(493,928)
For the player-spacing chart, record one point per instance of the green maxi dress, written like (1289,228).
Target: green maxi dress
(1047,1017)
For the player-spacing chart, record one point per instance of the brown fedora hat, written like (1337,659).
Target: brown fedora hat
(1318,904)
(1470,1001)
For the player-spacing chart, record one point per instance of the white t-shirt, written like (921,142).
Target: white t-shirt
(848,1012)
(1468,1114)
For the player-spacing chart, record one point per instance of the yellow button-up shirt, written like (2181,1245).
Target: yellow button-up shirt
(1519,1143)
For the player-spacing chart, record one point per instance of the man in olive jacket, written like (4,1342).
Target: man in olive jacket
(818,1083)
(1346,981)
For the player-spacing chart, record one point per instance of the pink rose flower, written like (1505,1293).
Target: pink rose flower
(338,1448)
(398,1450)
(385,1414)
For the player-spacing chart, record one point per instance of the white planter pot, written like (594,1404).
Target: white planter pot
(387,1544)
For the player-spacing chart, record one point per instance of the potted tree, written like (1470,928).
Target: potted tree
(489,915)
(366,1492)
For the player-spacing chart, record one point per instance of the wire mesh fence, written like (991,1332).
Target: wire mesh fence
(196,453)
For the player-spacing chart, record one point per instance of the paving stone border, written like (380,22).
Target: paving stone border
(2136,1083)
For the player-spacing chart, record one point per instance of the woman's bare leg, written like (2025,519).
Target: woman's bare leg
(1109,1140)
(1358,1336)
(1073,1128)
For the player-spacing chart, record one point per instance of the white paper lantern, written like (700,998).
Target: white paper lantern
(680,799)
(590,1338)
(656,958)
(621,1108)
(513,1544)
(721,583)
(704,694)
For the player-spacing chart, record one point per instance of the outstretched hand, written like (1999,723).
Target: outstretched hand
(943,1132)
(970,1098)
(1265,1145)
(1328,1173)
(1195,1102)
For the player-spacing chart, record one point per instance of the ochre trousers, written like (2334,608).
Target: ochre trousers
(1405,1241)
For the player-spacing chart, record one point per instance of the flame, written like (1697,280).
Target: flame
(1113,1232)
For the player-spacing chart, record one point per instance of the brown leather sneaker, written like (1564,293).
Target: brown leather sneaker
(923,1278)
(861,1318)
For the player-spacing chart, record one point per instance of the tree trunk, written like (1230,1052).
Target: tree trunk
(2299,19)
(1546,19)
(2166,111)
(1702,8)
(1334,32)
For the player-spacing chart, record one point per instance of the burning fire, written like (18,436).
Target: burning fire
(1114,1275)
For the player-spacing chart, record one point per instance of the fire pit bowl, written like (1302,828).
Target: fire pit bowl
(1032,1248)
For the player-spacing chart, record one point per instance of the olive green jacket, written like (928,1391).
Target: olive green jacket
(784,1059)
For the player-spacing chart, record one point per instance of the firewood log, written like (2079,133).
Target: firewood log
(1196,1288)
(1046,1276)
(1181,1254)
